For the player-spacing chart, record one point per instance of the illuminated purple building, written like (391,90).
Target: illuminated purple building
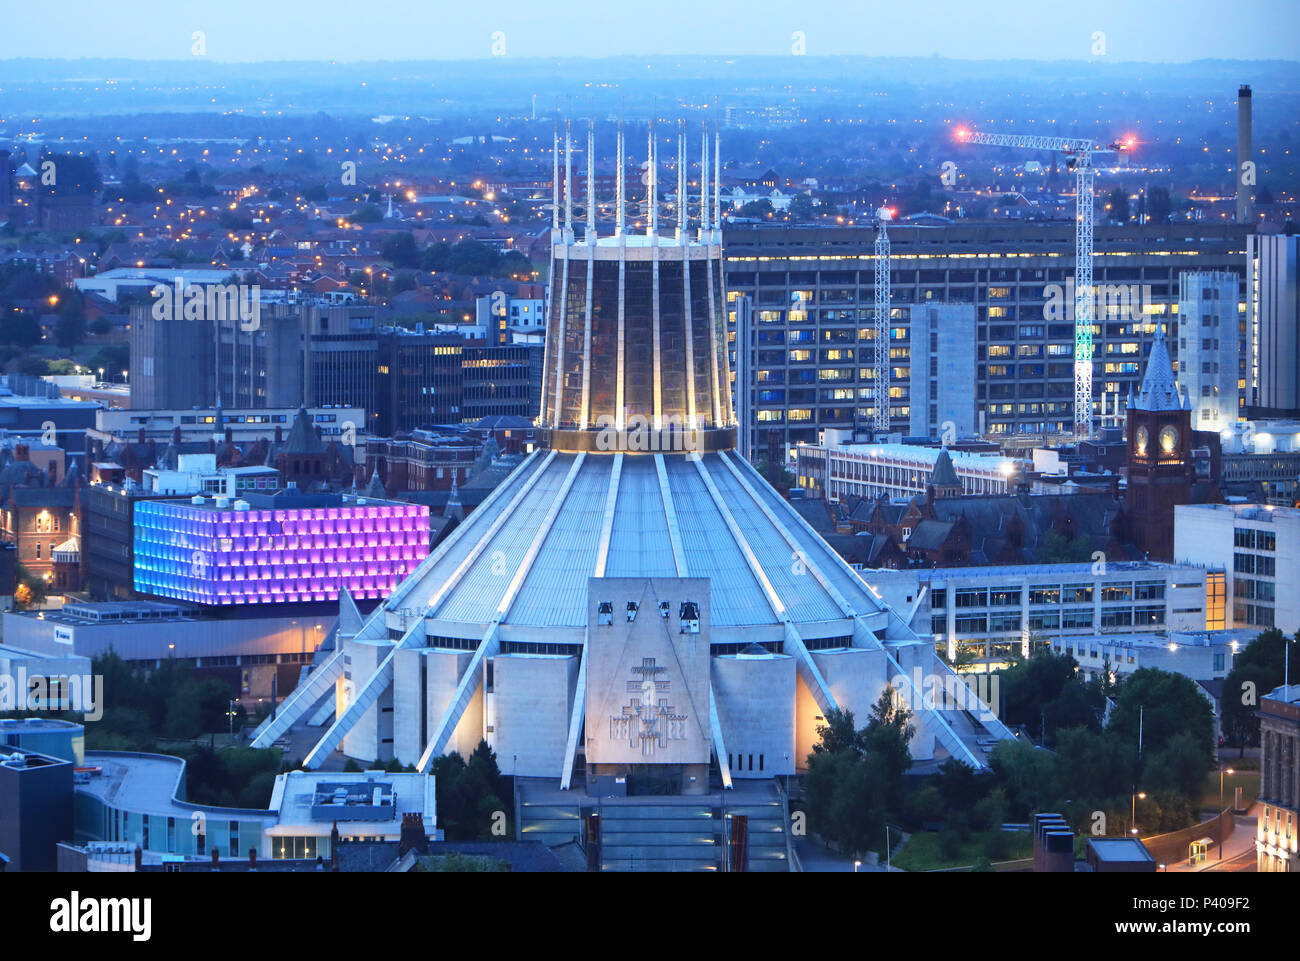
(280,548)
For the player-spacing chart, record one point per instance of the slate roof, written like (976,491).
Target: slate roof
(302,438)
(1159,389)
(944,474)
(929,535)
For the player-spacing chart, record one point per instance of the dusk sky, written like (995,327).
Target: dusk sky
(253,30)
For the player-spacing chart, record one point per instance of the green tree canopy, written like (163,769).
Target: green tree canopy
(1163,704)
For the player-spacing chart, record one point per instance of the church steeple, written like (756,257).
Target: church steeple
(454,508)
(1159,390)
(944,481)
(1159,469)
(218,423)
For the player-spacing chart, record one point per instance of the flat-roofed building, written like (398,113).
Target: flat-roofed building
(898,470)
(1199,655)
(1260,546)
(990,614)
(1211,347)
(36,810)
(812,287)
(1260,459)
(139,800)
(1273,324)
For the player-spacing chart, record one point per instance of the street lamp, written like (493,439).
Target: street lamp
(1132,817)
(1223,771)
(231,714)
(888,863)
(856,865)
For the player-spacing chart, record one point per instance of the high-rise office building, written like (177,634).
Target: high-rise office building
(940,365)
(419,380)
(340,357)
(1273,324)
(812,290)
(330,356)
(1211,348)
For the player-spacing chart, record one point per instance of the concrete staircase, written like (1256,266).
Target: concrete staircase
(549,822)
(662,833)
(767,825)
(661,836)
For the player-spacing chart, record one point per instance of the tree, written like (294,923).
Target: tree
(1178,767)
(886,737)
(71,326)
(19,327)
(1164,704)
(1256,670)
(838,734)
(470,794)
(854,778)
(959,785)
(1028,776)
(1093,764)
(401,250)
(990,811)
(1031,691)
(845,800)
(29,589)
(366,214)
(801,208)
(74,175)
(756,209)
(923,805)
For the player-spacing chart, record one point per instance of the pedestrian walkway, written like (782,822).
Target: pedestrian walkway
(1238,843)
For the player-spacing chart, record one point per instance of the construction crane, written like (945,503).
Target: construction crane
(880,421)
(1078,152)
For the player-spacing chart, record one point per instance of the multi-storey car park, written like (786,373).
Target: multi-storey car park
(811,294)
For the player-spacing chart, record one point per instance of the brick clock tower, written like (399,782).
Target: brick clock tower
(1160,467)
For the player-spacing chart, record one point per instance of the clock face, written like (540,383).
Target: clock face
(1140,441)
(1168,439)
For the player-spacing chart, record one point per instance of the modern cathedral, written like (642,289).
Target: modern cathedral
(634,600)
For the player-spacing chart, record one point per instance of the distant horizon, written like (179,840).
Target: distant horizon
(392,31)
(725,57)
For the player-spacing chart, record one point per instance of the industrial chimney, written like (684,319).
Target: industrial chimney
(1245,165)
